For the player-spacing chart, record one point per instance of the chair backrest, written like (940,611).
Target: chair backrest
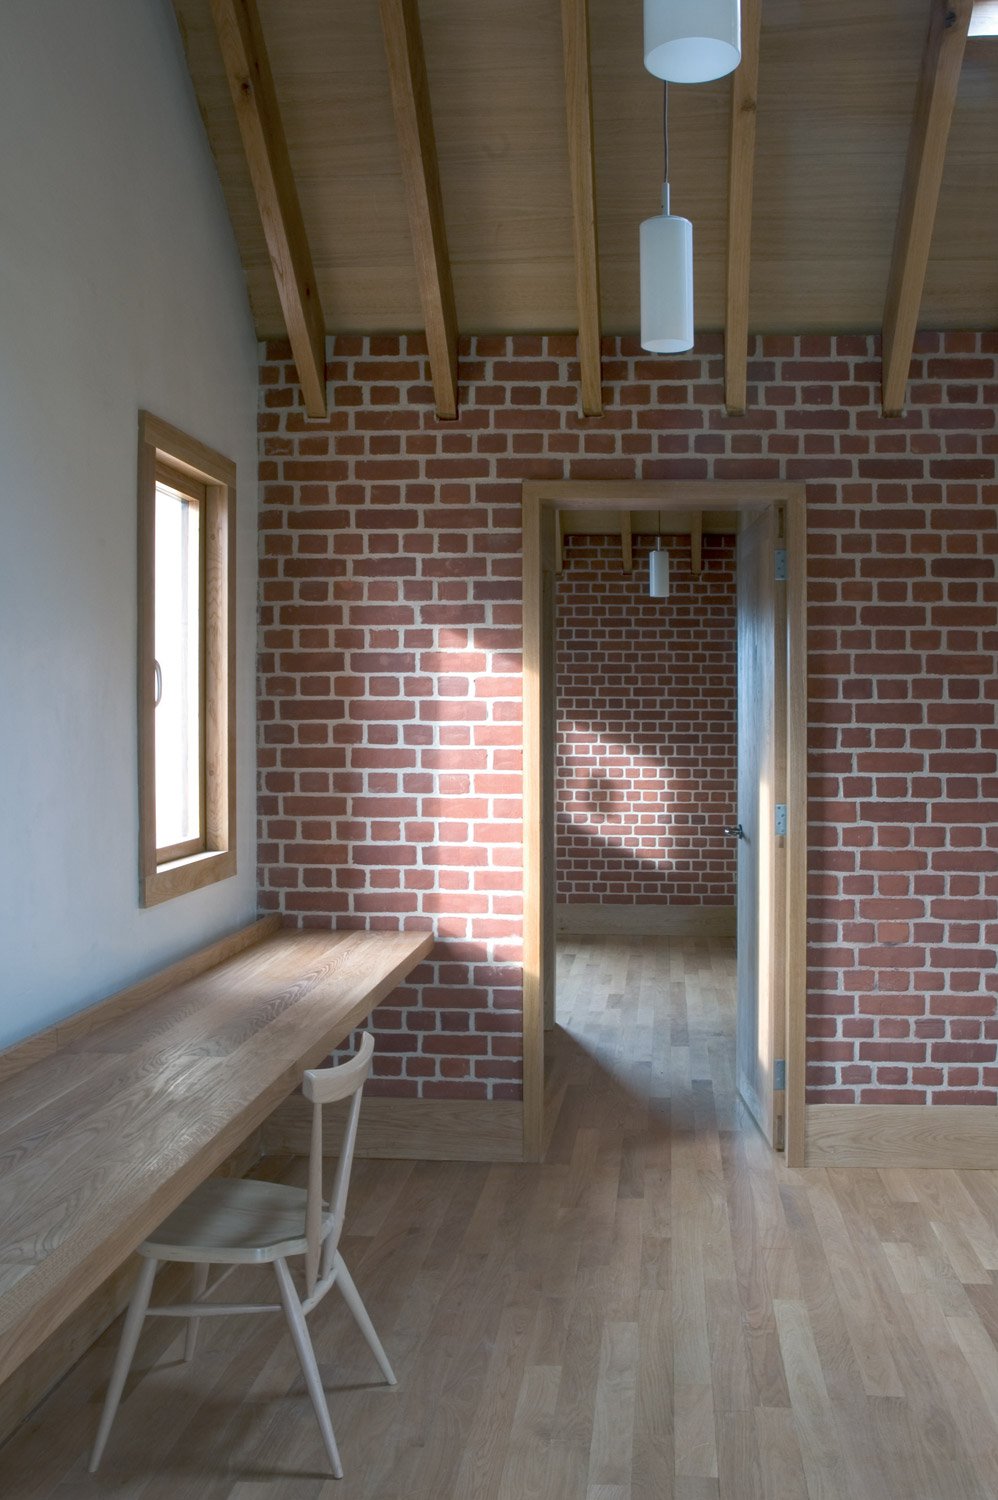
(323,1224)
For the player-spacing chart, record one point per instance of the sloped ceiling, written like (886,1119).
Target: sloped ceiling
(836,97)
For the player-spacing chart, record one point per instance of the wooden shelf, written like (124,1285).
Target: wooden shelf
(103,1137)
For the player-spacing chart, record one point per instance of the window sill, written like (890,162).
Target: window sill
(183,875)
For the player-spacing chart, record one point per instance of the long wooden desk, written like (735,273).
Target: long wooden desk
(103,1137)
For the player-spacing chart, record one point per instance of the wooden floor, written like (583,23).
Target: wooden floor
(660,1310)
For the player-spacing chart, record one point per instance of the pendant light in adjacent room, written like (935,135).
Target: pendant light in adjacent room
(658,568)
(692,41)
(666,254)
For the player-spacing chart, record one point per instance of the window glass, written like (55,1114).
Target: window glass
(178,669)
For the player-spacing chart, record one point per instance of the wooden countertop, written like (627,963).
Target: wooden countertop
(103,1138)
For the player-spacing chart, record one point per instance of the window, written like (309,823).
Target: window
(186,663)
(984,18)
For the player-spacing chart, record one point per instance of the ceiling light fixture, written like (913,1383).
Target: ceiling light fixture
(658,568)
(692,41)
(666,254)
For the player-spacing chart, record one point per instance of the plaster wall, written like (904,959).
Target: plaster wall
(120,288)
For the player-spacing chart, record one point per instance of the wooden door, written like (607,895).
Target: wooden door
(549,750)
(761,1020)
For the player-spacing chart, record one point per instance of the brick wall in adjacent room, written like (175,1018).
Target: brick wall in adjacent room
(390,676)
(646,770)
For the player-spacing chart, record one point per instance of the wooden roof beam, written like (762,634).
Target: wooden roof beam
(237,24)
(579,105)
(741,172)
(421,177)
(936,97)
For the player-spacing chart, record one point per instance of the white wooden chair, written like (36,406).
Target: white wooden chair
(232,1221)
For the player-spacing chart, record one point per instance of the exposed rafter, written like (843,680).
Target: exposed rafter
(247,67)
(741,173)
(579,104)
(937,90)
(421,176)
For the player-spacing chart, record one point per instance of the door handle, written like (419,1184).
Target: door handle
(735,831)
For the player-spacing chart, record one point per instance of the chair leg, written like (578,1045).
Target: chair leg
(352,1298)
(200,1283)
(298,1329)
(134,1318)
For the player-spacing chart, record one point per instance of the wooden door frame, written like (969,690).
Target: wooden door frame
(542,501)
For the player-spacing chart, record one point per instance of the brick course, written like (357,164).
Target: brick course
(390,714)
(646,770)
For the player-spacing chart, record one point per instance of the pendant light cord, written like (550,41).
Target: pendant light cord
(665,130)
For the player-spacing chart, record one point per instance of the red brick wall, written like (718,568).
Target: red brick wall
(390,707)
(646,771)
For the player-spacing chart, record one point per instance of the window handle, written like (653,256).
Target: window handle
(158,688)
(734,831)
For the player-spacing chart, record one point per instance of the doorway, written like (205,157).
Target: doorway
(769,521)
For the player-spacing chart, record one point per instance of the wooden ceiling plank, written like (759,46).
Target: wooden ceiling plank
(247,67)
(582,173)
(837,86)
(421,176)
(741,178)
(937,89)
(645,523)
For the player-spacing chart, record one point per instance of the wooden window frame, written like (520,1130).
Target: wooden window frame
(196,493)
(168,455)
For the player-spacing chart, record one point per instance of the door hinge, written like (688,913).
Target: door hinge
(781,564)
(779,1075)
(781,818)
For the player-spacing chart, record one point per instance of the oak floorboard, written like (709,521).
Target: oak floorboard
(660,1310)
(527,1462)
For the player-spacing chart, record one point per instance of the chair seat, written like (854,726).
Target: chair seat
(232,1219)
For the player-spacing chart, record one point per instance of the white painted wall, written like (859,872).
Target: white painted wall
(120,288)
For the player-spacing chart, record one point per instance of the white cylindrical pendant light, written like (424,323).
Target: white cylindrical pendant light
(666,282)
(692,41)
(658,574)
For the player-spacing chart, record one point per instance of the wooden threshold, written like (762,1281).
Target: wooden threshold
(605,919)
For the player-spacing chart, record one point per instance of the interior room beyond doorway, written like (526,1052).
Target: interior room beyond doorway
(768,525)
(646,735)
